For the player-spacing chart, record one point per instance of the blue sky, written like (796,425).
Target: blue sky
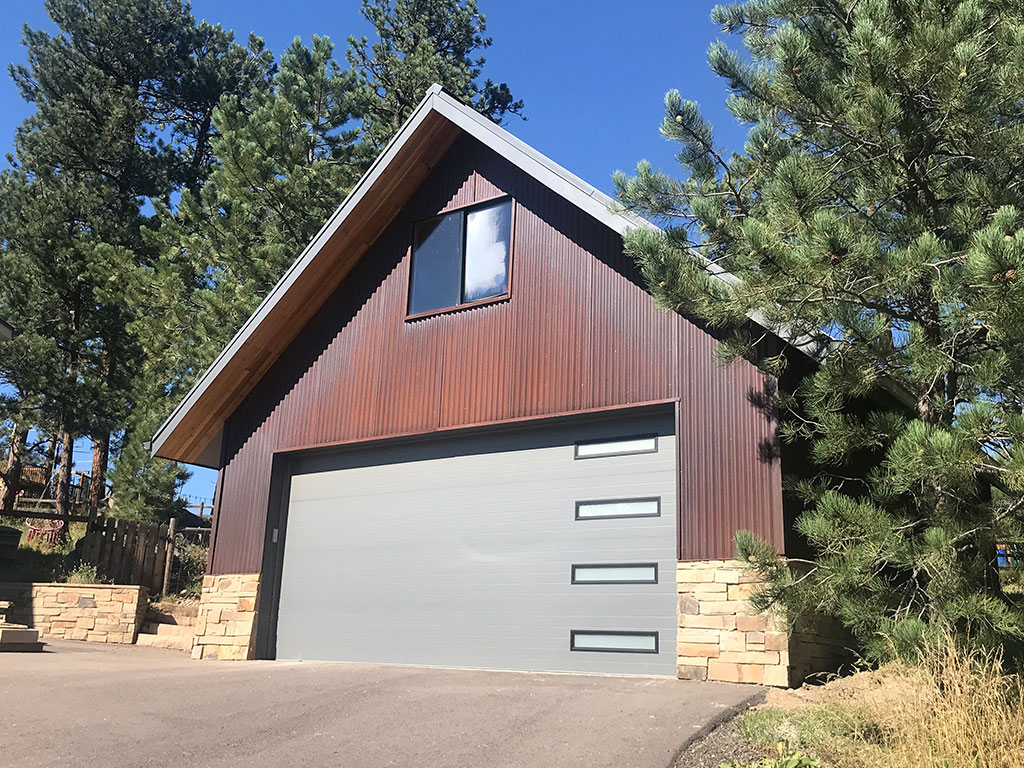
(593,75)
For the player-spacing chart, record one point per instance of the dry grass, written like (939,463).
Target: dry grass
(960,710)
(954,710)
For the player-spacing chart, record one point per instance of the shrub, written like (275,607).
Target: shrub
(191,567)
(83,573)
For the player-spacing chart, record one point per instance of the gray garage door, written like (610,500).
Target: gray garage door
(541,548)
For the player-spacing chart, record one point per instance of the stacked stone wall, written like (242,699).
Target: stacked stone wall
(226,621)
(96,613)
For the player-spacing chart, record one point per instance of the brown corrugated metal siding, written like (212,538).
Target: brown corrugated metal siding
(578,334)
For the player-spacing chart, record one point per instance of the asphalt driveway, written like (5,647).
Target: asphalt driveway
(89,705)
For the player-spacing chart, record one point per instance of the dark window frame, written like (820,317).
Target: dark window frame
(617,632)
(464,212)
(599,502)
(574,580)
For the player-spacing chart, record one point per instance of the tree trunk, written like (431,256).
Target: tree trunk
(63,490)
(51,459)
(10,485)
(98,484)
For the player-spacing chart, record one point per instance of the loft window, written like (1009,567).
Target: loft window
(461,258)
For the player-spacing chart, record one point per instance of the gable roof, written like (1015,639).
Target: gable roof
(193,431)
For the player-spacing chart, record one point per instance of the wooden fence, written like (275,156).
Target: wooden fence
(130,552)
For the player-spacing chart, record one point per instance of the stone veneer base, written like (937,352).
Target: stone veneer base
(718,637)
(226,623)
(721,639)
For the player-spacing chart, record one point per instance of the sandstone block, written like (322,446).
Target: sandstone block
(703,621)
(733,641)
(728,575)
(735,673)
(724,671)
(689,635)
(689,672)
(777,676)
(688,604)
(742,591)
(234,653)
(238,627)
(707,650)
(750,657)
(692,661)
(695,575)
(717,607)
(214,640)
(246,604)
(748,623)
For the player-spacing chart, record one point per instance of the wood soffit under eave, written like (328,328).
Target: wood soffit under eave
(280,328)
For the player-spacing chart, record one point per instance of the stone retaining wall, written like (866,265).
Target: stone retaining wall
(96,613)
(226,623)
(720,639)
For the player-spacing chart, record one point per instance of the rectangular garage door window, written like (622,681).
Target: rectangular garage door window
(606,509)
(620,446)
(612,641)
(615,573)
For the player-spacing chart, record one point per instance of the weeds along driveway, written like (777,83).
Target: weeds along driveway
(91,705)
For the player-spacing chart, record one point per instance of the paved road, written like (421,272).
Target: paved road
(89,705)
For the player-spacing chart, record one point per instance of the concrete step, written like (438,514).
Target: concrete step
(168,630)
(169,642)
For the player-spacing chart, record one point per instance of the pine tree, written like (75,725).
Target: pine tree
(124,97)
(286,157)
(421,42)
(876,211)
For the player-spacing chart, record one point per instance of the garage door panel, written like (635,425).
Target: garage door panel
(460,551)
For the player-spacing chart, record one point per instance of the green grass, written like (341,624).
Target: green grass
(785,759)
(810,728)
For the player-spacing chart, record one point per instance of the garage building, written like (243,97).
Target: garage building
(458,432)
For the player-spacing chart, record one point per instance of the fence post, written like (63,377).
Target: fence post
(170,555)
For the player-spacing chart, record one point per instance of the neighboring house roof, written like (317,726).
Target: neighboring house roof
(6,332)
(193,431)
